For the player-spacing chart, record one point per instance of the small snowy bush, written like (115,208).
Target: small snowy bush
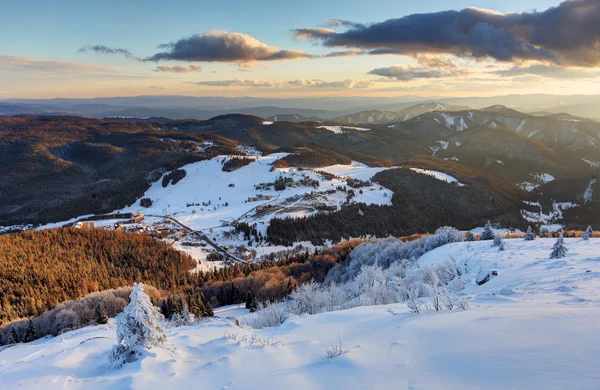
(529,236)
(336,350)
(589,233)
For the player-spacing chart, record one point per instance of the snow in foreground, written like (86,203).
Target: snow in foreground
(534,326)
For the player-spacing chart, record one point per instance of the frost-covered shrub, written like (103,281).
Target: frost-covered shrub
(386,252)
(268,315)
(380,272)
(307,299)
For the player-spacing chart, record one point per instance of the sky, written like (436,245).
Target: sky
(266,48)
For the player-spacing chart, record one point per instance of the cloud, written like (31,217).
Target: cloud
(156,87)
(101,49)
(178,69)
(342,84)
(224,46)
(310,33)
(568,34)
(411,72)
(550,71)
(346,53)
(35,65)
(436,62)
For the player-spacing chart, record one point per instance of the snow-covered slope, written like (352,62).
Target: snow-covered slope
(533,326)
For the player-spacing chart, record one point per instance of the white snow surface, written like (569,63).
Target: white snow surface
(340,129)
(438,175)
(533,326)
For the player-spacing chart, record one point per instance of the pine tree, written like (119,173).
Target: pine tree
(137,328)
(529,236)
(501,246)
(253,305)
(31,333)
(589,233)
(209,309)
(100,316)
(559,249)
(13,337)
(470,236)
(497,241)
(199,308)
(488,233)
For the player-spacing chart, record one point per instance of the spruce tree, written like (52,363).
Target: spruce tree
(209,310)
(470,236)
(488,233)
(501,246)
(248,300)
(100,316)
(137,328)
(589,233)
(31,333)
(13,337)
(559,249)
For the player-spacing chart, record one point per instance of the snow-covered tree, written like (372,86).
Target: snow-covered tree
(100,316)
(559,249)
(501,246)
(138,327)
(31,333)
(529,236)
(589,233)
(488,233)
(497,241)
(470,236)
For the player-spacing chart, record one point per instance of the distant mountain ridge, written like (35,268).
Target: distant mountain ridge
(385,117)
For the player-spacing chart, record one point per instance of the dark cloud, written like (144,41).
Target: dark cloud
(410,72)
(568,34)
(106,50)
(224,46)
(178,69)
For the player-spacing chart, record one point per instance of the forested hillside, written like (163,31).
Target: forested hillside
(55,168)
(40,269)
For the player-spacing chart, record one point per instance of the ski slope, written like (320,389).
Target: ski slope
(534,326)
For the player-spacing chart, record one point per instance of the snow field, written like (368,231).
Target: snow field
(531,327)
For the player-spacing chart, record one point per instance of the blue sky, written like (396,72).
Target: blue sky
(42,30)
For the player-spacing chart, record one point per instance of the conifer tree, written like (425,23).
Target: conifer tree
(13,337)
(470,236)
(529,236)
(501,246)
(248,300)
(31,333)
(137,328)
(497,240)
(589,233)
(100,316)
(488,233)
(559,249)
